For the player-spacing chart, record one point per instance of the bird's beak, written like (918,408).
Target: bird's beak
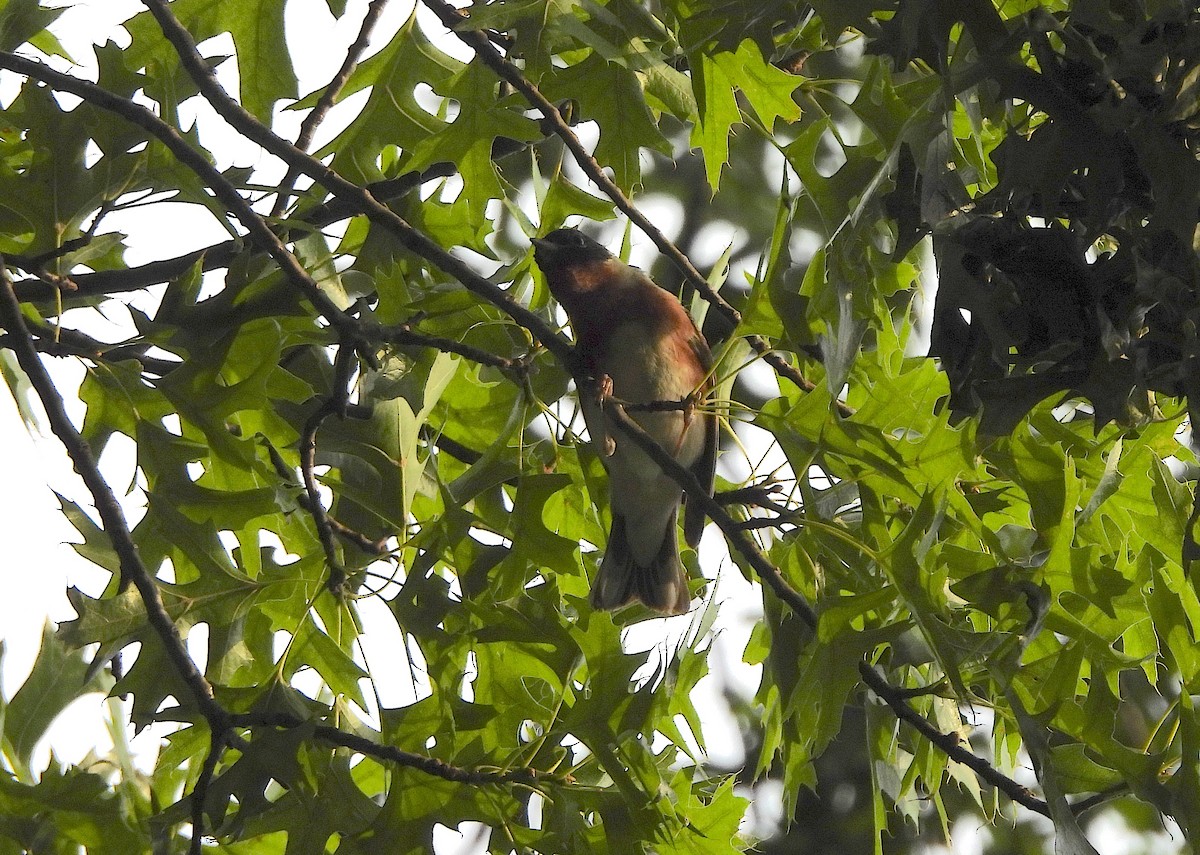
(544,252)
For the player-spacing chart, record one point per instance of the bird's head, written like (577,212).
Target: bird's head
(566,248)
(575,266)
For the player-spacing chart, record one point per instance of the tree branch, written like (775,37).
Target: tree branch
(133,571)
(389,754)
(215,256)
(63,341)
(414,240)
(1094,801)
(453,20)
(312,121)
(895,698)
(217,743)
(949,743)
(195,161)
(405,336)
(335,403)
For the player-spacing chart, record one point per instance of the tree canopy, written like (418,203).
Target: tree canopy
(945,254)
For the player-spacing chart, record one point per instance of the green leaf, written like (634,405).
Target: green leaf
(467,141)
(59,676)
(1069,837)
(73,809)
(21,20)
(264,64)
(718,113)
(613,97)
(767,88)
(392,114)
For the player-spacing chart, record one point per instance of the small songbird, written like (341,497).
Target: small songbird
(641,346)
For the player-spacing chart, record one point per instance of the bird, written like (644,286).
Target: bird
(639,345)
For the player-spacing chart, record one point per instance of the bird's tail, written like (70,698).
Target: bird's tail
(661,584)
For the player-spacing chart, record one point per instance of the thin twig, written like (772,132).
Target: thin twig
(405,335)
(1094,801)
(64,341)
(345,532)
(312,121)
(429,765)
(335,403)
(357,538)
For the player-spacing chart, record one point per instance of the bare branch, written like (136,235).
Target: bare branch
(345,532)
(312,121)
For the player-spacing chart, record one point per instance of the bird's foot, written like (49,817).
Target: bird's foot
(603,390)
(689,405)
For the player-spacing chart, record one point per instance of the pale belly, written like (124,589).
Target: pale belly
(641,373)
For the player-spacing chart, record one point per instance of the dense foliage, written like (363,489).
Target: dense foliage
(362,402)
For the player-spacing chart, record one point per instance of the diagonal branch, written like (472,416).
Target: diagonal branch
(221,254)
(484,49)
(525,776)
(948,743)
(894,697)
(195,161)
(133,571)
(312,121)
(414,240)
(64,341)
